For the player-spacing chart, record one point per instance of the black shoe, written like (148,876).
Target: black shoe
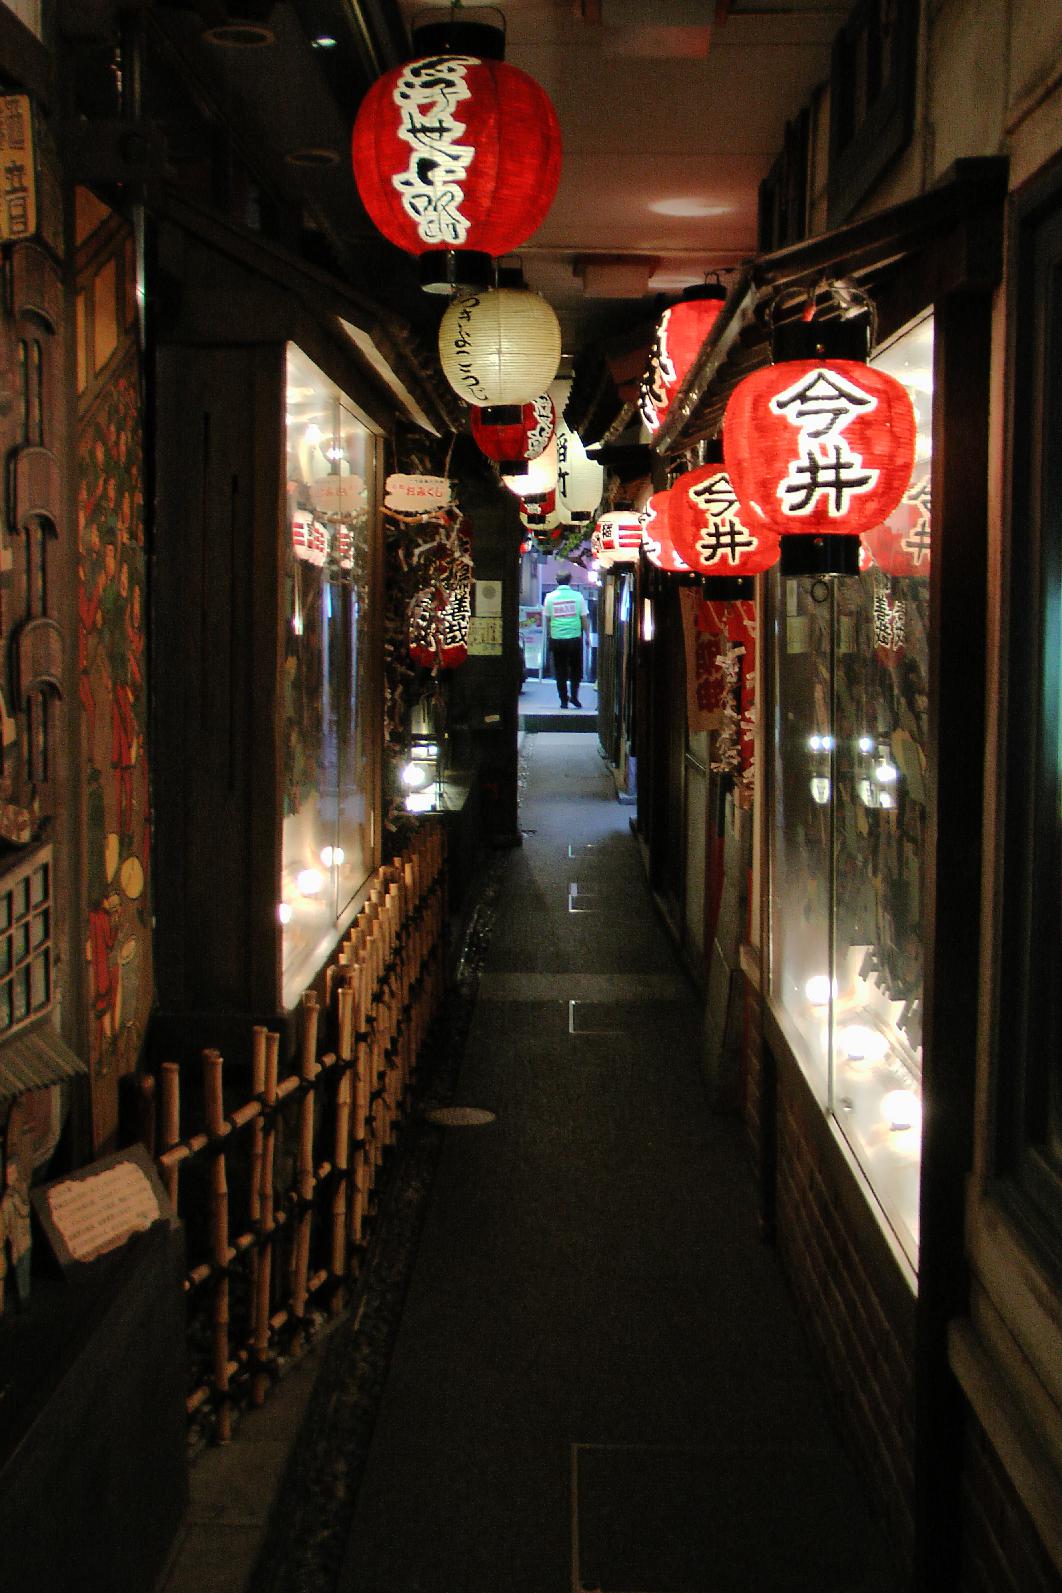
(576,703)
(564,704)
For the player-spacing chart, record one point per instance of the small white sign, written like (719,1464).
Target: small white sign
(488,597)
(417,494)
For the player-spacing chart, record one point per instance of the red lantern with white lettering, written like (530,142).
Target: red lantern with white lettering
(819,450)
(656,535)
(901,544)
(516,433)
(680,335)
(710,535)
(456,159)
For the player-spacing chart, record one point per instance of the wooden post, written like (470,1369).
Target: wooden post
(341,1162)
(260,1380)
(214,1111)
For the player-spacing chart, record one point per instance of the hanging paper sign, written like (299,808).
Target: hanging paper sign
(890,626)
(339,494)
(703,638)
(18,176)
(416,494)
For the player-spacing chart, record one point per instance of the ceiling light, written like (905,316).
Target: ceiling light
(688,207)
(324,41)
(239,35)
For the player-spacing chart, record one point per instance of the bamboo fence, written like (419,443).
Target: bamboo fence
(277,1193)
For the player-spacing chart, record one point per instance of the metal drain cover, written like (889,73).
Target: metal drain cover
(459,1116)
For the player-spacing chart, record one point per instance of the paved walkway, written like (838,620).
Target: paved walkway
(599,1381)
(540,709)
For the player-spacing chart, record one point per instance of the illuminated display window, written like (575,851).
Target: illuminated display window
(26,982)
(850,664)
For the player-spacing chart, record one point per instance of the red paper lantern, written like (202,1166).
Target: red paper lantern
(515,433)
(707,529)
(819,447)
(680,335)
(656,535)
(454,153)
(901,544)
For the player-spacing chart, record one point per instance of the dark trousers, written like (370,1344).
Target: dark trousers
(567,665)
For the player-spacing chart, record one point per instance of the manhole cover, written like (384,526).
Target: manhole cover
(459,1116)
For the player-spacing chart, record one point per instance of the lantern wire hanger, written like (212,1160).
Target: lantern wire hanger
(851,301)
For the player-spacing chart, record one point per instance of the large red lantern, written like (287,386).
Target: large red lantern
(656,535)
(708,532)
(819,448)
(514,433)
(456,159)
(901,544)
(680,335)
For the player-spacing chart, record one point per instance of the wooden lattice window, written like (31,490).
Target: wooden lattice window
(26,973)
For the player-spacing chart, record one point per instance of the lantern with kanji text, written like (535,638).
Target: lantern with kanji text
(537,476)
(516,433)
(710,535)
(456,159)
(580,479)
(680,335)
(819,448)
(901,544)
(656,535)
(500,347)
(619,534)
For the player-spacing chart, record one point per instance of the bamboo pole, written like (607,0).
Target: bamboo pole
(304,1161)
(341,1188)
(214,1111)
(260,1381)
(171,1126)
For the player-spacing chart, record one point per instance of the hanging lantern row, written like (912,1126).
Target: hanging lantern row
(514,435)
(680,335)
(538,476)
(820,446)
(457,160)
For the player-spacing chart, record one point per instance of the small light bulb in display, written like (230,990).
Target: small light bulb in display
(886,800)
(309,881)
(284,912)
(415,776)
(820,789)
(902,1111)
(886,773)
(865,744)
(819,989)
(860,1043)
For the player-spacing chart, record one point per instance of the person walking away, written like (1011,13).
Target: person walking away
(566,618)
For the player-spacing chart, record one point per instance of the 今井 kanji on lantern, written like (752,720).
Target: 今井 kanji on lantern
(819,447)
(707,529)
(656,535)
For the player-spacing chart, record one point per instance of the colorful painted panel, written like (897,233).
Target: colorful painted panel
(112,687)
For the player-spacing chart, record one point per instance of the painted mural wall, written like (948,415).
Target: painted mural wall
(112,659)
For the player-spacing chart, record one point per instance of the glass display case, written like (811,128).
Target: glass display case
(849,661)
(327,841)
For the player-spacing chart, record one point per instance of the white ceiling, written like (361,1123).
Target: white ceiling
(658,106)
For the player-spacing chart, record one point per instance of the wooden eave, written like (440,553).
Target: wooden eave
(904,257)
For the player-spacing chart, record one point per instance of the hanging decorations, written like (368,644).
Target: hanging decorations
(456,160)
(680,335)
(500,347)
(820,448)
(708,532)
(656,535)
(890,624)
(580,479)
(539,476)
(619,537)
(901,544)
(441,605)
(515,435)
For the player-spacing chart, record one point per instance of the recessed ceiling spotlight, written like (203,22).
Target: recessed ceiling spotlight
(324,41)
(239,35)
(688,207)
(312,157)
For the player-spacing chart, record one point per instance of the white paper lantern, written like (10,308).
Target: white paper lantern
(499,347)
(619,535)
(533,520)
(540,475)
(580,480)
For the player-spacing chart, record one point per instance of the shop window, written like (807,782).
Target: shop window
(26,942)
(850,665)
(1029,1045)
(328,726)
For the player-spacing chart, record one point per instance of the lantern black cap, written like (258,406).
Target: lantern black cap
(703,290)
(825,555)
(456,35)
(822,340)
(729,588)
(452,270)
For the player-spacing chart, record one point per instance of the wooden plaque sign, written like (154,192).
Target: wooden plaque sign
(96,1210)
